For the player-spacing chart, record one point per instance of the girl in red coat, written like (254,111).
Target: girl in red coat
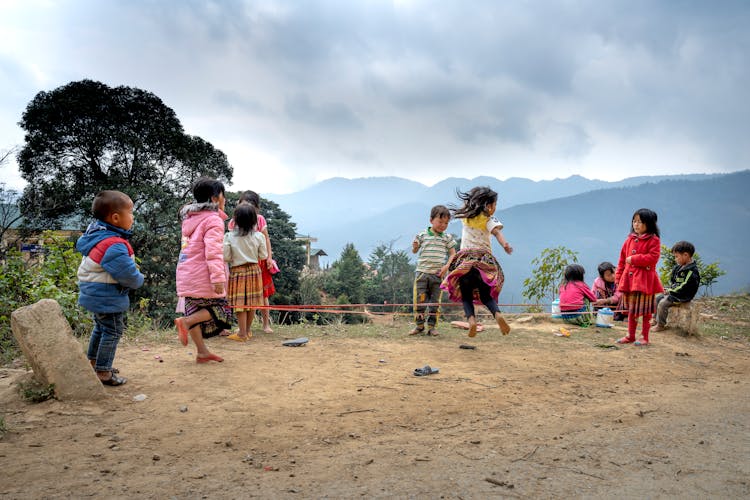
(636,275)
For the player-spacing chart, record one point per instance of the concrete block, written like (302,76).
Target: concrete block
(684,317)
(47,342)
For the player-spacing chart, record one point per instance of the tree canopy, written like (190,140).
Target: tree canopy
(85,137)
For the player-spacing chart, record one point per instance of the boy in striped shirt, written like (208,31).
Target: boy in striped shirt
(435,247)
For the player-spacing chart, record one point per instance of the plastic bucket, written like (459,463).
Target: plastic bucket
(556,309)
(605,318)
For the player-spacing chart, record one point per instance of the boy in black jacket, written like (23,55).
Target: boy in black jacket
(683,285)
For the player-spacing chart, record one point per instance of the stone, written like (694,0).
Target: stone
(48,344)
(684,318)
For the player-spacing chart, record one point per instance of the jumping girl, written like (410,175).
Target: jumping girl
(474,274)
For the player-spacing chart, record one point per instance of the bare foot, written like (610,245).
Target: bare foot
(472,326)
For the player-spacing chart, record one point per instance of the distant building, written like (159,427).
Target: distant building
(312,255)
(10,231)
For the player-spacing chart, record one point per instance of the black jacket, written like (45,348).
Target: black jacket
(684,283)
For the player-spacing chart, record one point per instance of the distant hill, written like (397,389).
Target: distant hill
(590,217)
(347,200)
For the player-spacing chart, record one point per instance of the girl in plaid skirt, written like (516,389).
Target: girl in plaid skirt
(474,274)
(636,275)
(244,248)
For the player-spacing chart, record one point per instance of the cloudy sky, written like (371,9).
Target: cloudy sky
(295,92)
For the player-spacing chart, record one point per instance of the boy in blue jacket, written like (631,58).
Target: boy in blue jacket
(106,274)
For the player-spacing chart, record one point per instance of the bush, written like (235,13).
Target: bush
(52,275)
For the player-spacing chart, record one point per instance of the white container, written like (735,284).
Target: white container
(605,318)
(556,309)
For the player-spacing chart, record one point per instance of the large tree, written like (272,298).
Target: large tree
(393,279)
(84,137)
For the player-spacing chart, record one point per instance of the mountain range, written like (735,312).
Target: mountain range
(591,217)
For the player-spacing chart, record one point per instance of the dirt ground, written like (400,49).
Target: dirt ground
(527,415)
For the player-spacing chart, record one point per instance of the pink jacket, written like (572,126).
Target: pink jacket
(201,262)
(572,295)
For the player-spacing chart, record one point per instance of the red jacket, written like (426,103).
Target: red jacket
(640,275)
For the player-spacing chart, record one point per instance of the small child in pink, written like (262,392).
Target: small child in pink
(575,297)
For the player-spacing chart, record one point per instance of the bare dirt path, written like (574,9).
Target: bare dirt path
(528,415)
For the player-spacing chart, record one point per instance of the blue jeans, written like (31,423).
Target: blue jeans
(108,328)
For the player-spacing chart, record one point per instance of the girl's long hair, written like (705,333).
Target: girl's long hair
(245,219)
(475,202)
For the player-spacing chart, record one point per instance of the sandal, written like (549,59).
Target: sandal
(625,340)
(210,357)
(114,380)
(237,337)
(417,331)
(642,343)
(182,330)
(432,332)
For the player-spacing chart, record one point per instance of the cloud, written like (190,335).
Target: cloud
(418,89)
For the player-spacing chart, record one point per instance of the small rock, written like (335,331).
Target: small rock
(140,397)
(156,458)
(183,409)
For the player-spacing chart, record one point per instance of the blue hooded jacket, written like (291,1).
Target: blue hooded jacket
(107,271)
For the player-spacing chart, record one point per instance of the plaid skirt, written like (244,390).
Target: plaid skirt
(464,261)
(221,314)
(245,287)
(268,286)
(638,303)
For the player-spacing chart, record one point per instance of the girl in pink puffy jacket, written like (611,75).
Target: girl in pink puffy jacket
(201,272)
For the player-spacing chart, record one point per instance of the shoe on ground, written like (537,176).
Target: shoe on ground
(417,331)
(625,340)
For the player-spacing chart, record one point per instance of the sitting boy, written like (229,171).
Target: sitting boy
(683,284)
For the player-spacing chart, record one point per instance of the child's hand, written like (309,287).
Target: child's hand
(508,249)
(627,259)
(219,288)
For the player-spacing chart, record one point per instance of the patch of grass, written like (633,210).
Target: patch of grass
(35,392)
(725,316)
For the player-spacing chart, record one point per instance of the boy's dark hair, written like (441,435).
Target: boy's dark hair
(604,267)
(245,219)
(683,247)
(108,202)
(574,272)
(206,188)
(648,217)
(440,211)
(250,197)
(475,202)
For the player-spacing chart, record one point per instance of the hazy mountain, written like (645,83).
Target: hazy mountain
(712,211)
(345,200)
